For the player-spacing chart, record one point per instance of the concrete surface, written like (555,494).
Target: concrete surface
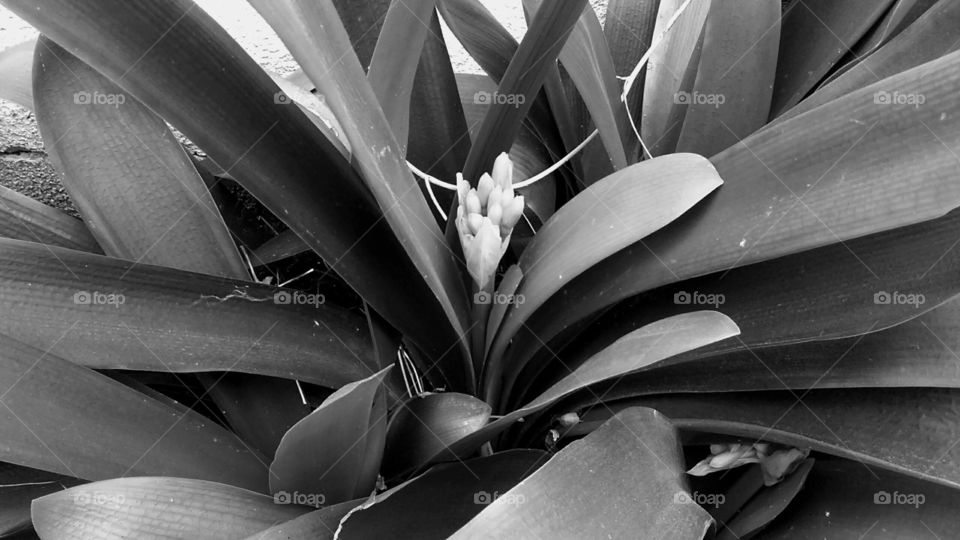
(23,163)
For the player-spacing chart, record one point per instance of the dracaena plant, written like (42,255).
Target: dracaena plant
(383,299)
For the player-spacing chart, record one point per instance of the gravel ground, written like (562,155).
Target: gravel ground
(23,164)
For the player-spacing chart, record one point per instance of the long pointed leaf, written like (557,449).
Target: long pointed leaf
(153,507)
(176,60)
(731,95)
(23,218)
(415,509)
(521,83)
(627,206)
(933,35)
(324,51)
(776,201)
(634,457)
(108,313)
(334,453)
(395,60)
(815,36)
(64,418)
(670,71)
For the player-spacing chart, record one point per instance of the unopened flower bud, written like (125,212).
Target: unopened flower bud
(503,171)
(473,203)
(484,187)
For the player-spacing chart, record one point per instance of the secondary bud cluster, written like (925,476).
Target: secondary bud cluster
(486,216)
(775,463)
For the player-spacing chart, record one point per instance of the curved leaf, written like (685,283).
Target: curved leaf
(317,525)
(322,47)
(844,499)
(766,505)
(112,314)
(153,507)
(731,96)
(414,509)
(625,479)
(16,63)
(815,36)
(23,218)
(854,423)
(18,487)
(282,246)
(422,427)
(623,208)
(334,453)
(587,61)
(138,191)
(176,60)
(629,31)
(60,417)
(524,77)
(671,70)
(933,35)
(840,291)
(395,60)
(641,348)
(878,167)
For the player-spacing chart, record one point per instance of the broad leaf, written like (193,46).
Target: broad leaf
(18,487)
(839,291)
(644,347)
(587,61)
(24,218)
(852,423)
(156,507)
(731,96)
(815,36)
(333,455)
(60,417)
(112,314)
(423,426)
(320,524)
(466,487)
(129,177)
(844,499)
(776,201)
(322,47)
(395,60)
(670,72)
(521,83)
(622,209)
(176,60)
(767,505)
(933,35)
(625,479)
(629,31)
